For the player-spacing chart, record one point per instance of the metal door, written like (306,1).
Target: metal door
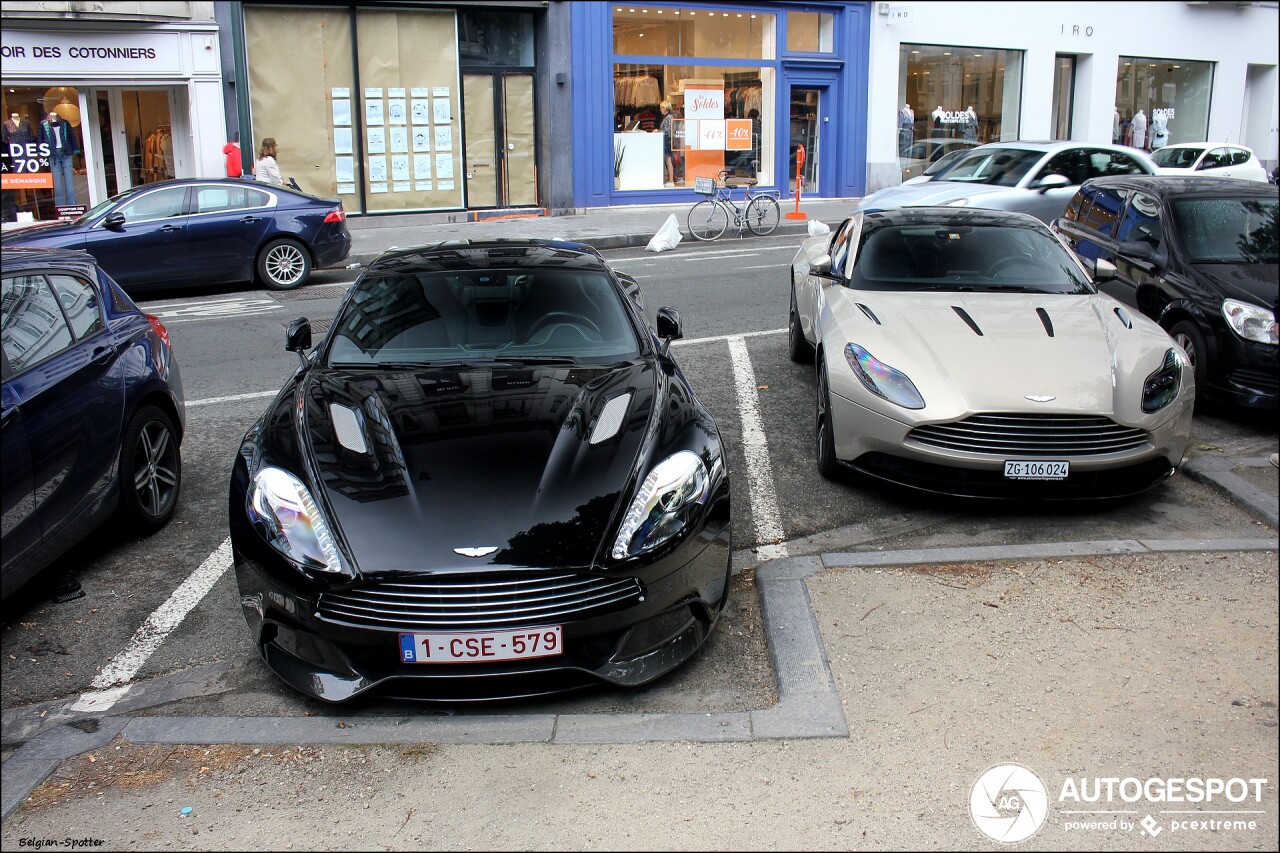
(498,116)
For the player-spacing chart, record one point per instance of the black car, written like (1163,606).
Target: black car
(490,479)
(1199,256)
(93,412)
(203,231)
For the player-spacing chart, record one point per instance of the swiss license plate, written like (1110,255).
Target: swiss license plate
(475,646)
(1036,470)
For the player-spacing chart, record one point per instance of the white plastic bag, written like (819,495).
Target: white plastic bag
(817,229)
(668,236)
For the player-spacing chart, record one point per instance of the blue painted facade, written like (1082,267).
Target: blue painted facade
(843,73)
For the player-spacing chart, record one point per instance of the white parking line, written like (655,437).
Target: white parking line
(104,691)
(692,341)
(209,401)
(755,446)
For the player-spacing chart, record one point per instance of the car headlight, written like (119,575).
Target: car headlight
(667,499)
(1161,387)
(283,512)
(1250,322)
(960,202)
(881,379)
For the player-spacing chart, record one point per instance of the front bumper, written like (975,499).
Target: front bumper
(684,592)
(879,447)
(1242,373)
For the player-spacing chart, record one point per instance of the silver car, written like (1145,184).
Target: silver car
(1038,178)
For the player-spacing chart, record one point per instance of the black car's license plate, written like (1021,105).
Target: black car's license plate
(475,646)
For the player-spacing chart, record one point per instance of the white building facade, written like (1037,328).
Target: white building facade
(1141,74)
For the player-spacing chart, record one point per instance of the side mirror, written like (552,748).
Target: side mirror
(820,265)
(114,222)
(297,338)
(1137,250)
(1103,270)
(669,327)
(1051,182)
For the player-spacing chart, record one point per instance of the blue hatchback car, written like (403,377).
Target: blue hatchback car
(92,410)
(203,231)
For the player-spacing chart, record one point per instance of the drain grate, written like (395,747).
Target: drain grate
(319,327)
(331,291)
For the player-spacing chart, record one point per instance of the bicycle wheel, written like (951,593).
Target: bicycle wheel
(708,219)
(763,214)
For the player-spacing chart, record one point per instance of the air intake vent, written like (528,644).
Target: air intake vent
(1044,318)
(346,425)
(870,314)
(964,315)
(1012,435)
(475,601)
(1124,317)
(611,418)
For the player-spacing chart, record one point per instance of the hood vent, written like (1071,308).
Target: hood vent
(870,314)
(1044,318)
(611,418)
(1124,317)
(346,426)
(964,315)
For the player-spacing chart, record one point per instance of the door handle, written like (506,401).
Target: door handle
(11,416)
(168,229)
(249,219)
(101,355)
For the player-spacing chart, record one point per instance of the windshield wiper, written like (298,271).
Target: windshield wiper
(414,365)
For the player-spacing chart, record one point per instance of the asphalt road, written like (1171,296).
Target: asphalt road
(732,296)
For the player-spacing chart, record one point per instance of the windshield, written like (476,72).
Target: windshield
(102,206)
(945,161)
(1002,167)
(1176,158)
(431,318)
(982,258)
(1228,230)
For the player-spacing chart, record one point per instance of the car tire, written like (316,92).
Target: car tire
(283,264)
(1187,335)
(799,350)
(828,466)
(150,470)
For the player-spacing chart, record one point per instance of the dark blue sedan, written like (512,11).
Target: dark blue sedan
(203,231)
(92,412)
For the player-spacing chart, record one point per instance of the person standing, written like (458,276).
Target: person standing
(63,148)
(235,164)
(266,169)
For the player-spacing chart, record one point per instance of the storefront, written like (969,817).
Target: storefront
(952,75)
(697,89)
(90,112)
(400,109)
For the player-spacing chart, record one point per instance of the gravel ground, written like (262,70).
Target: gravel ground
(1153,665)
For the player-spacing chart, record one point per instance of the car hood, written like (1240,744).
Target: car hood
(1093,362)
(474,458)
(922,194)
(47,234)
(1255,283)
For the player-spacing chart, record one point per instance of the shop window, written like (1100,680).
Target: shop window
(716,118)
(810,32)
(701,33)
(1162,101)
(968,95)
(1064,91)
(495,38)
(38,176)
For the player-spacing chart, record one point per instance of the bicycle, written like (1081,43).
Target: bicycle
(709,218)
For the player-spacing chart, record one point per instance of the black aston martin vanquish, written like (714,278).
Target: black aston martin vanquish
(490,479)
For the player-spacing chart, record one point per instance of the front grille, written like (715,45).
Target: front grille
(1031,435)
(470,602)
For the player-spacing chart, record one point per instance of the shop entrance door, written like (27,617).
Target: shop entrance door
(498,126)
(144,151)
(809,122)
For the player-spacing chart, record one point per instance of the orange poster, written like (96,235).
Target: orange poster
(737,134)
(27,181)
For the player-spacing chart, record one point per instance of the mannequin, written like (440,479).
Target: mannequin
(1159,129)
(63,147)
(906,129)
(1115,126)
(938,115)
(17,130)
(970,124)
(1139,130)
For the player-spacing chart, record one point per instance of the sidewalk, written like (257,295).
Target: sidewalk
(600,227)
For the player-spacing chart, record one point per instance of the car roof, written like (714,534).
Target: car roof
(1187,185)
(1048,145)
(488,254)
(946,215)
(1206,145)
(26,257)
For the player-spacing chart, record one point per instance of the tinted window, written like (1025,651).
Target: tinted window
(1238,156)
(1072,164)
(218,198)
(945,161)
(1113,163)
(160,204)
(1003,167)
(1106,209)
(33,327)
(1141,221)
(1176,158)
(1228,230)
(1216,159)
(839,249)
(80,303)
(984,258)
(483,314)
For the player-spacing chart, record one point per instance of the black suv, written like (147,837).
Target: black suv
(1197,255)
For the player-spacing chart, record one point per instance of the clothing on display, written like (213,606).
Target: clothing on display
(971,124)
(1115,127)
(906,129)
(156,156)
(1139,126)
(636,90)
(17,131)
(1159,130)
(937,131)
(63,148)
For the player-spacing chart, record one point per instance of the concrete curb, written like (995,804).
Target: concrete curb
(1218,473)
(808,706)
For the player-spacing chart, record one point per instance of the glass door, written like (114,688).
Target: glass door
(1064,88)
(498,114)
(807,120)
(144,123)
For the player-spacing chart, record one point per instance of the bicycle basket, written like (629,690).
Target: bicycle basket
(704,186)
